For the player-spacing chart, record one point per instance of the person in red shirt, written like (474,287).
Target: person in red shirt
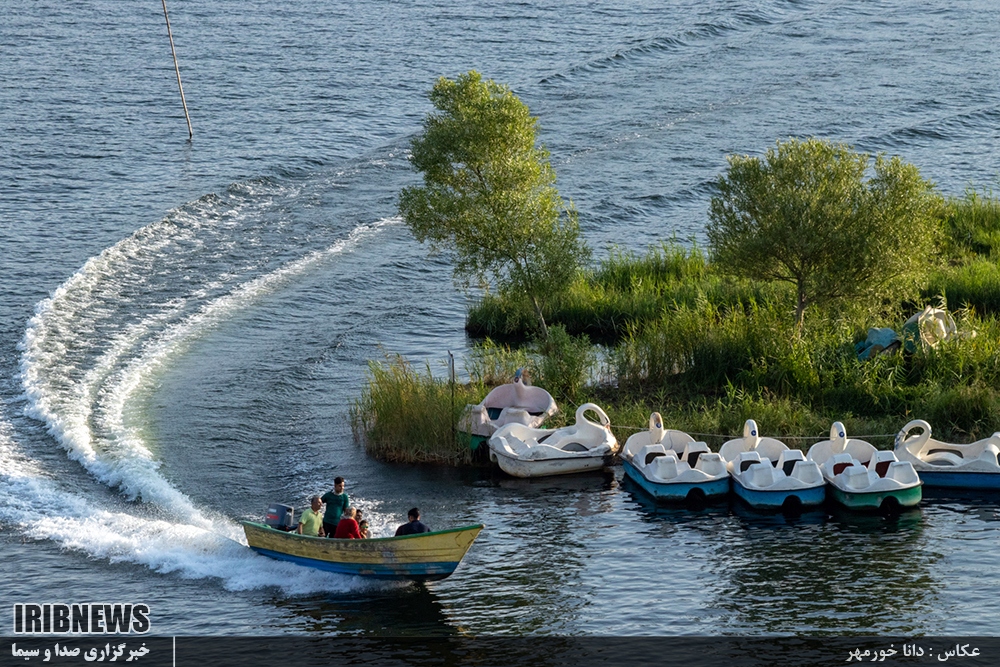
(348,527)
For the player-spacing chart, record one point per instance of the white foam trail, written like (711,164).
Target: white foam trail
(100,397)
(134,468)
(36,504)
(82,399)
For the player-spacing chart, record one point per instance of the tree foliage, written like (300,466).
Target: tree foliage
(488,193)
(827,220)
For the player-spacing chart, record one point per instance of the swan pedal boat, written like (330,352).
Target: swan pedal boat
(511,403)
(670,465)
(941,464)
(421,557)
(862,477)
(767,474)
(522,451)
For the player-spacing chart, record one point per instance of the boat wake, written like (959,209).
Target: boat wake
(103,338)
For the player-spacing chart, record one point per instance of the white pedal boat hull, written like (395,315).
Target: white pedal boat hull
(521,451)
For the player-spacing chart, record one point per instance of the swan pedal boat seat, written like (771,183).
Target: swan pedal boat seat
(941,464)
(767,474)
(522,451)
(420,557)
(511,403)
(862,477)
(671,465)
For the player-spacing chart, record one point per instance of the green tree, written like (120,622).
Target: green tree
(806,214)
(489,196)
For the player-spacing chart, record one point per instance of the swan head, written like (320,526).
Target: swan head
(838,436)
(751,433)
(656,430)
(924,436)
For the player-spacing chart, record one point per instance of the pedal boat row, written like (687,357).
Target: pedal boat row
(762,471)
(767,474)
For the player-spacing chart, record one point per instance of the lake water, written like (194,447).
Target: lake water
(184,324)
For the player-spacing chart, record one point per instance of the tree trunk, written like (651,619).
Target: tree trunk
(541,318)
(800,308)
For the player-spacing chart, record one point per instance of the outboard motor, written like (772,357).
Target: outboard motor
(280,516)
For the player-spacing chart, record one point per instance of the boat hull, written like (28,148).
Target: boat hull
(547,467)
(425,556)
(775,500)
(677,491)
(960,480)
(872,500)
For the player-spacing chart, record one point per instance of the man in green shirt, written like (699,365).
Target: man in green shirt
(311,521)
(336,503)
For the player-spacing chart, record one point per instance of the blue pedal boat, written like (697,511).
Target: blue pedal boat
(671,466)
(769,475)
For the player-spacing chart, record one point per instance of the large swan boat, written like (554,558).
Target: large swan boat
(972,466)
(523,451)
(511,403)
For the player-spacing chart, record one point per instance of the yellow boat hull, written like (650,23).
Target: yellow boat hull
(425,556)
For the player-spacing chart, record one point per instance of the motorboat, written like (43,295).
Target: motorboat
(523,451)
(941,464)
(768,474)
(670,465)
(421,557)
(511,403)
(862,477)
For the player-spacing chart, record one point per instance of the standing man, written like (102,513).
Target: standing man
(414,526)
(311,521)
(336,503)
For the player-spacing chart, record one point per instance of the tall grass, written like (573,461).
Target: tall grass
(404,415)
(625,290)
(975,284)
(972,223)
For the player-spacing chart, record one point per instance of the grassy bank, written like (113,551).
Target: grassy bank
(709,351)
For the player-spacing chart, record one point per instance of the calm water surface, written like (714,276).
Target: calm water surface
(183,325)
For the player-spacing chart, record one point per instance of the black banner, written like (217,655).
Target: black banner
(503,651)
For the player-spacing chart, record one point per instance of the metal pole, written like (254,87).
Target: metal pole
(451,377)
(177,69)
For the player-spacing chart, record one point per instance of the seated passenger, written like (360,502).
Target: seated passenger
(348,527)
(414,526)
(362,524)
(311,521)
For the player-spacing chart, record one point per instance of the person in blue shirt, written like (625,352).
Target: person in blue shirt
(414,526)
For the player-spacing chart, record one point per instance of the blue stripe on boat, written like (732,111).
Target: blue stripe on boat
(960,480)
(399,571)
(775,499)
